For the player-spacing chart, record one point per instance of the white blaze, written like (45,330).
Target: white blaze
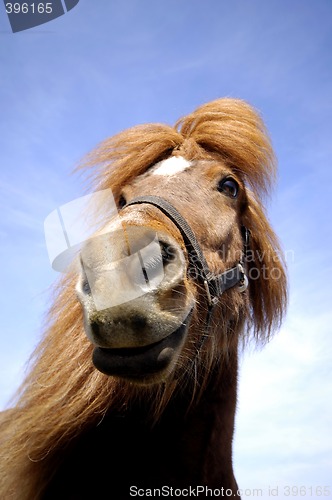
(171,166)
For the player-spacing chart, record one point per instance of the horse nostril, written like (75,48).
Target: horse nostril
(168,252)
(86,287)
(94,328)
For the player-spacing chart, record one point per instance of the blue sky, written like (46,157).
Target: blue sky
(105,66)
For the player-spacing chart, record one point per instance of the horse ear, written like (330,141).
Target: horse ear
(266,273)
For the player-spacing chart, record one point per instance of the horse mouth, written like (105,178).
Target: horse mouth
(141,363)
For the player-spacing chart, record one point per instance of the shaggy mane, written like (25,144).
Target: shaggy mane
(227,129)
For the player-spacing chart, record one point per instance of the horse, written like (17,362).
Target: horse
(137,397)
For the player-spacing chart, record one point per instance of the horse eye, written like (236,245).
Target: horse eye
(229,187)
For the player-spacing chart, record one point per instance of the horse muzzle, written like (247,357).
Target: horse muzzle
(135,301)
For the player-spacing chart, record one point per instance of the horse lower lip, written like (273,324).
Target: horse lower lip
(139,362)
(130,352)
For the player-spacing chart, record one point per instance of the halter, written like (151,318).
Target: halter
(214,284)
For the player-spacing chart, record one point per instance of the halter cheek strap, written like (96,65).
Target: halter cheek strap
(215,285)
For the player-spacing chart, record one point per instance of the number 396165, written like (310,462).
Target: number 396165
(26,8)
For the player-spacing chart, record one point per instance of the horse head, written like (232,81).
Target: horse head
(155,298)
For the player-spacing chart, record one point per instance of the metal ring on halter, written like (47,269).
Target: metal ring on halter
(244,285)
(244,282)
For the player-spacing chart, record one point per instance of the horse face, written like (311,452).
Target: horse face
(140,304)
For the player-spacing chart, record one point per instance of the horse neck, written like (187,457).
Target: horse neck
(209,426)
(190,444)
(197,437)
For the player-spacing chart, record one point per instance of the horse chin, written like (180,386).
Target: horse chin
(143,365)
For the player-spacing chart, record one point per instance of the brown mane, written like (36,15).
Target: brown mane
(63,393)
